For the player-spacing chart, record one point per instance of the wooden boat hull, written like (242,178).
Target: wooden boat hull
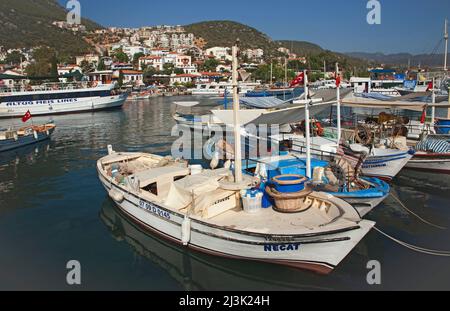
(385,167)
(430,162)
(320,252)
(10,144)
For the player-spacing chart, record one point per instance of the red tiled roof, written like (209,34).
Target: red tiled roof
(186,76)
(131,72)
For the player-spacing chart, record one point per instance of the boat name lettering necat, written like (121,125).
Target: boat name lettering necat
(281,247)
(153,209)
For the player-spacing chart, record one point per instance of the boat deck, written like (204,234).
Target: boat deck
(269,221)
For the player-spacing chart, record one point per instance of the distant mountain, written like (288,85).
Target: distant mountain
(431,60)
(28,23)
(225,33)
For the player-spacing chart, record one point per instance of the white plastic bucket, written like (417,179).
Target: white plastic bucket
(252,202)
(196,169)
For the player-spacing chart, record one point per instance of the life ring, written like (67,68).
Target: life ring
(316,127)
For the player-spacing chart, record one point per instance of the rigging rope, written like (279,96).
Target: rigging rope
(413,247)
(414,214)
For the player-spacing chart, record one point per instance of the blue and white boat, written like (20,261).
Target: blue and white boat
(364,194)
(10,140)
(59,98)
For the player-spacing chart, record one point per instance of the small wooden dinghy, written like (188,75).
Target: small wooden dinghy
(25,136)
(202,212)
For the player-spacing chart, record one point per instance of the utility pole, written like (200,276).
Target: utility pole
(271,73)
(285,71)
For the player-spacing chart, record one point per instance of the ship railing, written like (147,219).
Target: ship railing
(47,87)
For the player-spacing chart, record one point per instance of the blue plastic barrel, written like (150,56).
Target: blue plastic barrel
(289,183)
(443,126)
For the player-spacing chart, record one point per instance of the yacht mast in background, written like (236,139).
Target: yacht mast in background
(446,44)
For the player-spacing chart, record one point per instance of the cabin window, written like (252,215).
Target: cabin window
(152,188)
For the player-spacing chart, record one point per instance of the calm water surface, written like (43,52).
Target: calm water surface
(53,209)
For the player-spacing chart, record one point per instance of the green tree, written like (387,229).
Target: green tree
(120,56)
(42,65)
(136,59)
(86,66)
(178,71)
(278,71)
(15,58)
(120,80)
(211,64)
(168,68)
(101,65)
(54,69)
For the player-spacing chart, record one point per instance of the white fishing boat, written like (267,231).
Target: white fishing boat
(382,163)
(58,98)
(432,155)
(202,210)
(220,88)
(203,213)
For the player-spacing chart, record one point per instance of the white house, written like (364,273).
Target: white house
(182,78)
(220,53)
(133,77)
(183,61)
(156,62)
(90,58)
(132,50)
(12,82)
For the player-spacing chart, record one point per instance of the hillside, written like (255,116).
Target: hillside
(225,33)
(432,60)
(28,23)
(300,47)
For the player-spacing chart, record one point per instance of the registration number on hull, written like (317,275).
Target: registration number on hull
(149,207)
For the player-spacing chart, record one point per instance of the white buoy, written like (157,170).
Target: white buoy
(110,150)
(186,231)
(35,135)
(215,160)
(116,196)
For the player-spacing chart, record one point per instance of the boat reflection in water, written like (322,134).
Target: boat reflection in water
(26,153)
(195,271)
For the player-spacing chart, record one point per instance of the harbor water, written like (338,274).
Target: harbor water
(53,209)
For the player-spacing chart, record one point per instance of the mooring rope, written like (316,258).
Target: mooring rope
(413,247)
(414,214)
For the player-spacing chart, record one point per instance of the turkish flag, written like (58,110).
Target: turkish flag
(300,79)
(424,116)
(26,117)
(338,80)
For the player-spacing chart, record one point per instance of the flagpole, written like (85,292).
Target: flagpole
(433,100)
(237,126)
(307,128)
(338,98)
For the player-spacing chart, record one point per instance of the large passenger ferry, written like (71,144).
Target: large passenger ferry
(59,98)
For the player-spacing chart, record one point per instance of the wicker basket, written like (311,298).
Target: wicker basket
(291,202)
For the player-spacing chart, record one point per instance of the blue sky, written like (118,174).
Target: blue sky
(413,26)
